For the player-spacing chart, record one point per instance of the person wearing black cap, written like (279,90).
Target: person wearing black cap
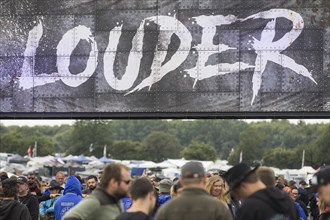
(322,180)
(25,197)
(194,202)
(258,201)
(10,208)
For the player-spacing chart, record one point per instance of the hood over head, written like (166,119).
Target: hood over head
(73,185)
(277,199)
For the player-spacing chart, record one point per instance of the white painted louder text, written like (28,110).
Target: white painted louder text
(159,68)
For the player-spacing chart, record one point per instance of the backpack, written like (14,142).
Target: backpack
(302,215)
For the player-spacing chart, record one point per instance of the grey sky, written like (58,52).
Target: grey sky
(60,122)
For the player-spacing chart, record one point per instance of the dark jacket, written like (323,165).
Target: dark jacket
(194,204)
(32,204)
(313,207)
(303,196)
(71,197)
(325,215)
(34,188)
(12,209)
(266,204)
(43,198)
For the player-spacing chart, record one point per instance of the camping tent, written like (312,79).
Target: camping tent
(165,164)
(105,160)
(82,159)
(308,170)
(18,159)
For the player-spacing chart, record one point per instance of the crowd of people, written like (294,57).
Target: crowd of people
(241,193)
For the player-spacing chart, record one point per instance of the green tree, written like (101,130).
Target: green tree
(125,150)
(88,134)
(159,146)
(62,137)
(321,146)
(250,145)
(13,142)
(45,145)
(280,157)
(199,151)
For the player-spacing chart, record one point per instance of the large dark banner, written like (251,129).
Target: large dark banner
(127,57)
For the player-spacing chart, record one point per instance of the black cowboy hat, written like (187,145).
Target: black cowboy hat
(55,185)
(237,174)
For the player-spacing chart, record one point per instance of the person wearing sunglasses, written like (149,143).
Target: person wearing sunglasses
(34,185)
(104,202)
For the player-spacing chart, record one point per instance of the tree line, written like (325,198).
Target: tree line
(277,143)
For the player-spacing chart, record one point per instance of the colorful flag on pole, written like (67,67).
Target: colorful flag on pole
(29,151)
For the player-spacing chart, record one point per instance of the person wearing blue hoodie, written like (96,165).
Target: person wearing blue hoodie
(72,196)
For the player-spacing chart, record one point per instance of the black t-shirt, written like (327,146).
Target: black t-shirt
(133,216)
(32,204)
(267,204)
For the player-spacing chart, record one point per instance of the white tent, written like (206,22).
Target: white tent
(96,164)
(178,162)
(293,174)
(143,164)
(308,170)
(7,169)
(166,164)
(207,164)
(92,158)
(40,161)
(69,157)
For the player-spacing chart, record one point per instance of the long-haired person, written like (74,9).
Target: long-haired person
(216,187)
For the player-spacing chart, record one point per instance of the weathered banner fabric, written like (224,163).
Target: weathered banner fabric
(163,56)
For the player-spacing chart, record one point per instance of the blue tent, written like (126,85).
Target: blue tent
(82,159)
(105,160)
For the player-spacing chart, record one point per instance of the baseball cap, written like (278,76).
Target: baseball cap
(165,185)
(192,169)
(22,179)
(322,177)
(302,182)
